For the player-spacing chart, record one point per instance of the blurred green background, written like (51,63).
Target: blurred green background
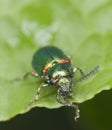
(82,28)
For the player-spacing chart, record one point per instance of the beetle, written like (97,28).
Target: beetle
(51,64)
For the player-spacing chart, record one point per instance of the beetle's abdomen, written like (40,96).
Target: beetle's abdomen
(43,59)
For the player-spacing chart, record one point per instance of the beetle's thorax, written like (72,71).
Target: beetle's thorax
(52,63)
(60,75)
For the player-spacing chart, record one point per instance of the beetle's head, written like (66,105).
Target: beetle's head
(63,80)
(65,84)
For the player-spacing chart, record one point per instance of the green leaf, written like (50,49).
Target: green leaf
(81,29)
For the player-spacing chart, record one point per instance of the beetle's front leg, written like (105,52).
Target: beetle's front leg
(63,100)
(77,111)
(37,94)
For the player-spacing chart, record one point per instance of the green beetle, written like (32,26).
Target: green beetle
(55,67)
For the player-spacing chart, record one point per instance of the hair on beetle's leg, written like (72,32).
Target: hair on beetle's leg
(37,95)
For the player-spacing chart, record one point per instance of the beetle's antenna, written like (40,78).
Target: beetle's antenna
(90,73)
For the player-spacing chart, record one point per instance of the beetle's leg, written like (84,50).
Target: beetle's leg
(37,94)
(35,74)
(59,97)
(62,100)
(26,75)
(77,111)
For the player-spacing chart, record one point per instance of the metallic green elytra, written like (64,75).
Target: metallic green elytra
(51,64)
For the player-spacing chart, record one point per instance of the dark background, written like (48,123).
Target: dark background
(96,114)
